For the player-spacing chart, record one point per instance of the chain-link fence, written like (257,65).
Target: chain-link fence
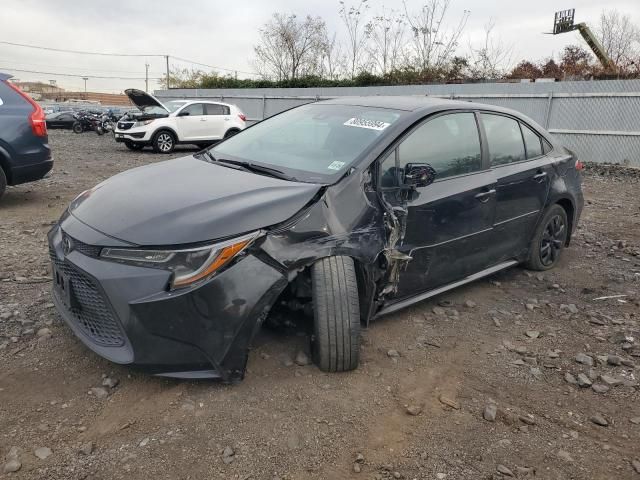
(599,120)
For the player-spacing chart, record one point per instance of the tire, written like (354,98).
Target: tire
(231,132)
(336,310)
(549,239)
(3,182)
(134,146)
(77,127)
(163,142)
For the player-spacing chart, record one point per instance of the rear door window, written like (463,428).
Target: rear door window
(216,109)
(504,139)
(449,143)
(532,142)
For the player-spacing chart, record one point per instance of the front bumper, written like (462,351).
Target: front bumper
(127,315)
(136,135)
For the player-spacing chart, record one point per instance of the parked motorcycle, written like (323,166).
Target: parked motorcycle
(86,121)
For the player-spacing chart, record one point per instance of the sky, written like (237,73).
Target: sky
(223,33)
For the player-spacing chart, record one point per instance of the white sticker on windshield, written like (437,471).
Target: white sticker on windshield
(366,123)
(336,165)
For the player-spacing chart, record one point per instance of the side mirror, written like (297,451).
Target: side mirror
(419,175)
(183,114)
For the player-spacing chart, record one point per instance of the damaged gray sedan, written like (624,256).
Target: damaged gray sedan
(345,210)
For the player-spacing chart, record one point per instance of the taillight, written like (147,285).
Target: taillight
(37,118)
(579,165)
(242,117)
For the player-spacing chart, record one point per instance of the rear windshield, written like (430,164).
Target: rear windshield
(313,142)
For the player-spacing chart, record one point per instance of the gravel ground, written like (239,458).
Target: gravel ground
(520,375)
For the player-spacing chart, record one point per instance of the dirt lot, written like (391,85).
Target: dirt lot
(414,409)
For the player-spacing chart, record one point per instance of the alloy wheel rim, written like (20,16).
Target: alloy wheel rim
(553,238)
(165,142)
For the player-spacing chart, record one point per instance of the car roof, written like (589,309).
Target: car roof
(5,76)
(409,103)
(189,101)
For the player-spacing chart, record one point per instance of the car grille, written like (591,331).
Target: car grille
(84,248)
(125,125)
(92,315)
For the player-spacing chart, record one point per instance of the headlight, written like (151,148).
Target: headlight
(142,123)
(189,265)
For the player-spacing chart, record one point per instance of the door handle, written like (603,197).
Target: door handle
(539,177)
(484,196)
(203,119)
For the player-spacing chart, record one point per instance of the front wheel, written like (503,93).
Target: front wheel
(549,239)
(163,142)
(336,311)
(134,146)
(77,127)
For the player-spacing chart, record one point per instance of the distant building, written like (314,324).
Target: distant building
(53,93)
(38,90)
(91,97)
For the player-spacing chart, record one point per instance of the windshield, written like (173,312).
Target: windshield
(174,105)
(313,142)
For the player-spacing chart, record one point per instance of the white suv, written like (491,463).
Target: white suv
(163,126)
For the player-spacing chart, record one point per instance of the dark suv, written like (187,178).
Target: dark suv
(25,155)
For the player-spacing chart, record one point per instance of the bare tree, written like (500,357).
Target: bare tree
(619,37)
(493,58)
(289,47)
(185,77)
(333,59)
(386,34)
(434,44)
(354,20)
(576,62)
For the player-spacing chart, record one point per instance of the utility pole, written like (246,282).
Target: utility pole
(166,57)
(146,77)
(85,86)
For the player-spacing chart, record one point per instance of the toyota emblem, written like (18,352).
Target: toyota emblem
(67,245)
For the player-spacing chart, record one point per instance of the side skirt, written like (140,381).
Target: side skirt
(432,293)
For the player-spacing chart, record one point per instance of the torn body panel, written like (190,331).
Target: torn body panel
(352,219)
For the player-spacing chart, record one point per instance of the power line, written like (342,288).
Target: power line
(78,76)
(5,60)
(80,52)
(212,66)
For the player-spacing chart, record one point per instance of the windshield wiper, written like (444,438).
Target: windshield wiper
(255,168)
(250,167)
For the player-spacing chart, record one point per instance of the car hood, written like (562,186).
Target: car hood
(143,100)
(188,200)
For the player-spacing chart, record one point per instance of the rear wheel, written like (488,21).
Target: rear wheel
(336,326)
(163,142)
(549,239)
(3,182)
(231,132)
(77,127)
(134,146)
